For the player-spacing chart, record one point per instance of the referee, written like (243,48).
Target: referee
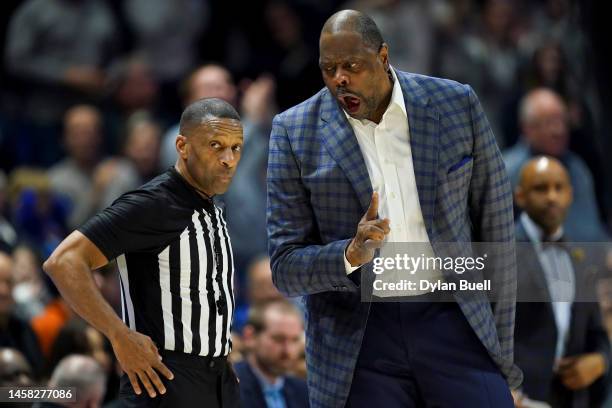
(176,271)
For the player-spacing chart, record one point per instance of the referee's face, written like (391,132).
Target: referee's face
(211,153)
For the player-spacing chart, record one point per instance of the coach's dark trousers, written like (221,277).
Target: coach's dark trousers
(424,354)
(198,382)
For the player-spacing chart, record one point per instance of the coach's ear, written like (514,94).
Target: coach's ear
(182,146)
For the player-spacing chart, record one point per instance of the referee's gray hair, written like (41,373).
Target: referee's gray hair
(205,109)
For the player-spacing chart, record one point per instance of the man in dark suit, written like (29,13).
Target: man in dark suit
(560,342)
(273,338)
(377,156)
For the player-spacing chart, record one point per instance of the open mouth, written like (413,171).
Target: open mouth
(350,102)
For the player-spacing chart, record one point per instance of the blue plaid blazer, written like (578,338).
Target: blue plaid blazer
(319,188)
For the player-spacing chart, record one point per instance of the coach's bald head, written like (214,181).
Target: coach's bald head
(354,62)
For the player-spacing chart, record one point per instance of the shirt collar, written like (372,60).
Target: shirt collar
(535,233)
(397,99)
(265,384)
(397,96)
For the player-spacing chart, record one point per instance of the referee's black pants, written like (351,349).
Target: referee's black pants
(198,382)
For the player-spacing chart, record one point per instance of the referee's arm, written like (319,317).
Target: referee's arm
(70,266)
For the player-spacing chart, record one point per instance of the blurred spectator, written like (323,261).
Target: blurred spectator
(57,317)
(559,20)
(208,81)
(77,337)
(274,340)
(61,42)
(142,146)
(38,215)
(14,369)
(8,235)
(139,163)
(73,176)
(549,68)
(83,374)
(30,291)
(260,286)
(14,332)
(166,35)
(133,89)
(604,294)
(290,58)
(487,59)
(543,117)
(408,28)
(49,322)
(61,49)
(560,342)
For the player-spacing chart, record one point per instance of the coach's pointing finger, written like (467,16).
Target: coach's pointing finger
(371,233)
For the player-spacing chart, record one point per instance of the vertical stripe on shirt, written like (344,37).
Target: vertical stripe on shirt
(228,267)
(210,284)
(185,295)
(194,284)
(125,283)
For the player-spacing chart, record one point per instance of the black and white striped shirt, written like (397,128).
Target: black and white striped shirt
(175,262)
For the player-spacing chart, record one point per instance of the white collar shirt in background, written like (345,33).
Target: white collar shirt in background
(559,275)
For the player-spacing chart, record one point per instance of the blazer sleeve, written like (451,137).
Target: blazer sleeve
(301,263)
(491,215)
(598,341)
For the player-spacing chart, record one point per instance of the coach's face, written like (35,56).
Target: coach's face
(211,153)
(355,74)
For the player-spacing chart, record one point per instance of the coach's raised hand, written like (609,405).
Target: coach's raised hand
(140,360)
(371,233)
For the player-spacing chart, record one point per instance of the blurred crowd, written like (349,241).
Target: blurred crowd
(89,109)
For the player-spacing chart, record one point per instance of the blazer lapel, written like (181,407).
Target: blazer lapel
(341,143)
(423,123)
(579,310)
(530,262)
(252,388)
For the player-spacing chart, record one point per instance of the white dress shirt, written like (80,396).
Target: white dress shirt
(560,279)
(388,158)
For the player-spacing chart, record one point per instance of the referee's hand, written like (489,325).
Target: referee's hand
(140,360)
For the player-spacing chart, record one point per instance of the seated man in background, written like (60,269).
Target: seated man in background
(72,177)
(544,123)
(85,376)
(259,289)
(15,332)
(14,369)
(273,337)
(560,342)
